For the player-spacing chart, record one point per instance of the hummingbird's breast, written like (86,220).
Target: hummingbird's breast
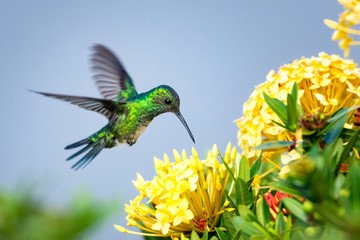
(138,132)
(132,124)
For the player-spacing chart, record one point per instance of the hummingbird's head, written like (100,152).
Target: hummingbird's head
(168,100)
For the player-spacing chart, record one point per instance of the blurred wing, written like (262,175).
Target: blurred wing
(102,106)
(110,76)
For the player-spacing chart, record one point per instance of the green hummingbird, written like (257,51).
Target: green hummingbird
(128,112)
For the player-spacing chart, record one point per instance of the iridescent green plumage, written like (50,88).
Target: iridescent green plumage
(128,112)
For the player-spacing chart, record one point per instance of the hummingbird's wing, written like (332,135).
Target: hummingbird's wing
(103,106)
(110,76)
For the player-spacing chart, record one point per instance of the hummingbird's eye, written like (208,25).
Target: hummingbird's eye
(167,101)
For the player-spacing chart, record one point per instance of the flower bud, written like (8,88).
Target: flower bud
(183,155)
(166,159)
(177,156)
(214,151)
(194,153)
(233,154)
(228,149)
(120,228)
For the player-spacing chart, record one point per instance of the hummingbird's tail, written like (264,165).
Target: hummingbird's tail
(96,142)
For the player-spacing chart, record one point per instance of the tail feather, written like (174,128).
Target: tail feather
(91,144)
(78,144)
(84,161)
(96,143)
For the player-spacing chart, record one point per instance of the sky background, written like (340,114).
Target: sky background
(212,53)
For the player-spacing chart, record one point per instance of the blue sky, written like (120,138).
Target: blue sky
(212,53)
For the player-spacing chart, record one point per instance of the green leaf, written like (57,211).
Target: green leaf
(237,235)
(288,228)
(281,125)
(214,238)
(263,212)
(256,237)
(232,204)
(194,236)
(290,188)
(205,235)
(221,234)
(333,152)
(237,221)
(228,222)
(244,169)
(295,207)
(256,166)
(295,95)
(334,131)
(349,146)
(246,214)
(262,230)
(353,181)
(280,224)
(277,106)
(273,144)
(336,117)
(347,134)
(228,168)
(292,114)
(241,192)
(250,229)
(340,113)
(294,92)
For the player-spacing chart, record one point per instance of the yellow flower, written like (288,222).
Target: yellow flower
(326,83)
(349,18)
(185,196)
(285,159)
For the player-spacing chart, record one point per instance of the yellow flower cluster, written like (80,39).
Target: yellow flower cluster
(186,195)
(349,18)
(326,83)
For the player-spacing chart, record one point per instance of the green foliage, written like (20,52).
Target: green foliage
(323,185)
(255,167)
(273,145)
(288,114)
(296,208)
(23,216)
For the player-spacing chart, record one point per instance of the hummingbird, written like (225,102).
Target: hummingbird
(128,112)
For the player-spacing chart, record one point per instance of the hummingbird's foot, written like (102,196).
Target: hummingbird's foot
(130,143)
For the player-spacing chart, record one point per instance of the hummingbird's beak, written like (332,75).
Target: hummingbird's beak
(182,119)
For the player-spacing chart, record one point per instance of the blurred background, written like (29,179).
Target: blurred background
(212,53)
